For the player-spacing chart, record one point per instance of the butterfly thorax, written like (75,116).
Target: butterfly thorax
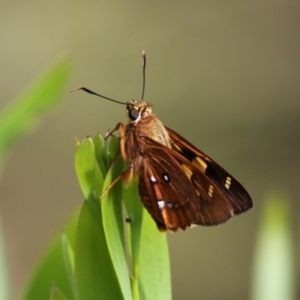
(142,124)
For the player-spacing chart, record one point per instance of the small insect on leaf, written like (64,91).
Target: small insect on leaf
(179,185)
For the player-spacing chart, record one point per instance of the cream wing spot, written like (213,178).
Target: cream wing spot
(152,179)
(228,182)
(161,204)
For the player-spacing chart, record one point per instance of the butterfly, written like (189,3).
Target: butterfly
(178,184)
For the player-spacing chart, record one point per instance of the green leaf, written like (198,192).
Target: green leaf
(69,262)
(85,165)
(99,144)
(23,113)
(95,274)
(113,147)
(52,269)
(154,271)
(112,215)
(135,211)
(273,276)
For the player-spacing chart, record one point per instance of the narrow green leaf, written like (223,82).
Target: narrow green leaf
(273,274)
(109,150)
(19,117)
(104,155)
(56,294)
(95,274)
(135,211)
(86,167)
(69,262)
(112,214)
(52,269)
(99,144)
(154,256)
(113,147)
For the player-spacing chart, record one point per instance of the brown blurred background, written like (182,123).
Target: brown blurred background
(224,74)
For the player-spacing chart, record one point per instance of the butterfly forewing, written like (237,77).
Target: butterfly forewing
(231,189)
(206,204)
(215,208)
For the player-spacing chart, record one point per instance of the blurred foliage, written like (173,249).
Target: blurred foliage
(17,119)
(4,274)
(54,268)
(274,260)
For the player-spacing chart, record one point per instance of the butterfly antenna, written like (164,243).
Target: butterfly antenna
(144,74)
(93,93)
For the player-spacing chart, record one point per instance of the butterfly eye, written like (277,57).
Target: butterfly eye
(133,114)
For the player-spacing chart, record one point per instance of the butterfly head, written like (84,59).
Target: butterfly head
(137,109)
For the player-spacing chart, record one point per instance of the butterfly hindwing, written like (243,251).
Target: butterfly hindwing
(166,191)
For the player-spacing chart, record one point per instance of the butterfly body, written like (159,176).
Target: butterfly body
(178,184)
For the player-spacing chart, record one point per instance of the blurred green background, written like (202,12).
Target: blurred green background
(224,74)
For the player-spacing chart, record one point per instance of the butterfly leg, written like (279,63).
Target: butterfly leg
(126,176)
(122,132)
(117,128)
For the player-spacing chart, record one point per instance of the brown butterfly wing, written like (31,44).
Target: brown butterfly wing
(228,187)
(176,193)
(166,191)
(212,209)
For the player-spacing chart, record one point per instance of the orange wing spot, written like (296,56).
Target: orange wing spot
(166,218)
(187,171)
(200,164)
